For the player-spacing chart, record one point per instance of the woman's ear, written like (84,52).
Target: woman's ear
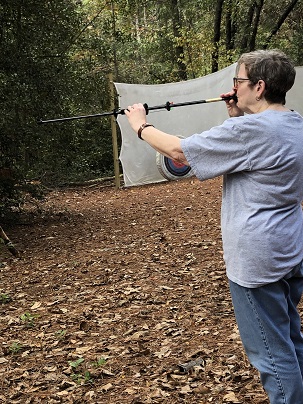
(261,86)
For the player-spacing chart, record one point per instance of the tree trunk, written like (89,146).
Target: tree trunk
(258,9)
(217,36)
(246,29)
(177,25)
(230,30)
(229,34)
(115,60)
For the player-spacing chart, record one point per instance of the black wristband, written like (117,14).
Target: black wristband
(143,126)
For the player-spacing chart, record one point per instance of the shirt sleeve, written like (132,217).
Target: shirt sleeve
(220,150)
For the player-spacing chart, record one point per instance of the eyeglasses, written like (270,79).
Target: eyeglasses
(237,80)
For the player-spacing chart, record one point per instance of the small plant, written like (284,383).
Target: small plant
(79,377)
(61,334)
(76,377)
(82,378)
(87,377)
(15,348)
(5,298)
(99,362)
(75,364)
(28,319)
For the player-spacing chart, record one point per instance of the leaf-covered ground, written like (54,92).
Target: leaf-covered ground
(120,296)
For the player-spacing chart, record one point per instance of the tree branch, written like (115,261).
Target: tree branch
(280,22)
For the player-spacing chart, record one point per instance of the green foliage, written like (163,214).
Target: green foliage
(80,377)
(61,334)
(84,378)
(81,373)
(5,298)
(28,319)
(42,76)
(100,362)
(76,363)
(15,348)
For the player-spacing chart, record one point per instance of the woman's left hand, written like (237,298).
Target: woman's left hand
(136,115)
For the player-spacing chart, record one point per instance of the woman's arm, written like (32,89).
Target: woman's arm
(164,143)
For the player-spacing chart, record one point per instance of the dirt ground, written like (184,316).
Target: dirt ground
(120,296)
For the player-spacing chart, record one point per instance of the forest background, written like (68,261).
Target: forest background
(56,57)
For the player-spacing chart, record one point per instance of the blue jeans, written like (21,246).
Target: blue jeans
(270,329)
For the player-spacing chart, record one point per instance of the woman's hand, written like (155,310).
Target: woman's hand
(232,107)
(136,115)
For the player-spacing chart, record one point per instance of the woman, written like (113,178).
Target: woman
(260,155)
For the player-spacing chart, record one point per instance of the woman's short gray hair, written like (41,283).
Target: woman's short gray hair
(274,68)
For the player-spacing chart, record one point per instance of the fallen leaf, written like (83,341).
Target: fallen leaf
(36,305)
(185,389)
(83,349)
(107,387)
(230,398)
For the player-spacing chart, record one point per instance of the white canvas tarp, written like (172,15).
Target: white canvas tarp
(138,159)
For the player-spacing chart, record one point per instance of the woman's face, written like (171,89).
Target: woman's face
(246,93)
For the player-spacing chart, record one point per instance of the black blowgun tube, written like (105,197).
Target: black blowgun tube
(168,106)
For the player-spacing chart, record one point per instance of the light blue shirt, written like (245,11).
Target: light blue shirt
(261,159)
